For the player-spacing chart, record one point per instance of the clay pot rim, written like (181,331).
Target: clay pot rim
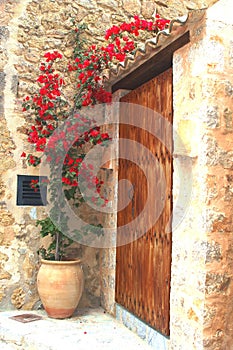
(61,262)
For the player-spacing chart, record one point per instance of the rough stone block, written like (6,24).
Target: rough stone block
(212,117)
(145,332)
(132,6)
(18,298)
(156,340)
(6,218)
(228,88)
(213,252)
(228,118)
(4,275)
(209,315)
(217,283)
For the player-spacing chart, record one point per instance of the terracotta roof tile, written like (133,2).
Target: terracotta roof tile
(177,28)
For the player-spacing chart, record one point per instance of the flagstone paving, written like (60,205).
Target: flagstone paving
(88,329)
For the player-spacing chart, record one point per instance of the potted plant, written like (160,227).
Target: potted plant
(60,281)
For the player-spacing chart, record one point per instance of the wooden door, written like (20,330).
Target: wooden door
(143,266)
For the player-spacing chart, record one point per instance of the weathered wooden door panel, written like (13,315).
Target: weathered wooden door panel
(143,270)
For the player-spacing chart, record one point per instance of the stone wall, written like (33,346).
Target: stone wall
(201,293)
(218,331)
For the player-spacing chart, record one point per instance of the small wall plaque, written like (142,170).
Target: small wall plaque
(25,318)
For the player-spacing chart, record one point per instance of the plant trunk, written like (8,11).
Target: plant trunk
(57,251)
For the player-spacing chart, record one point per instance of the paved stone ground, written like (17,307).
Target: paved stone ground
(89,329)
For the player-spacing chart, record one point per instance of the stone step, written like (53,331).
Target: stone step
(90,329)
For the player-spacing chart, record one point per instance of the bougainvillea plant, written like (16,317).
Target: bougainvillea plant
(51,108)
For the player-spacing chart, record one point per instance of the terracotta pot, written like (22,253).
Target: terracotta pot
(60,286)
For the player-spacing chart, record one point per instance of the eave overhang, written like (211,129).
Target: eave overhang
(155,56)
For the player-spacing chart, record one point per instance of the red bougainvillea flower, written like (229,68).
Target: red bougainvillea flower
(105,136)
(52,56)
(40,145)
(33,160)
(50,107)
(94,133)
(34,184)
